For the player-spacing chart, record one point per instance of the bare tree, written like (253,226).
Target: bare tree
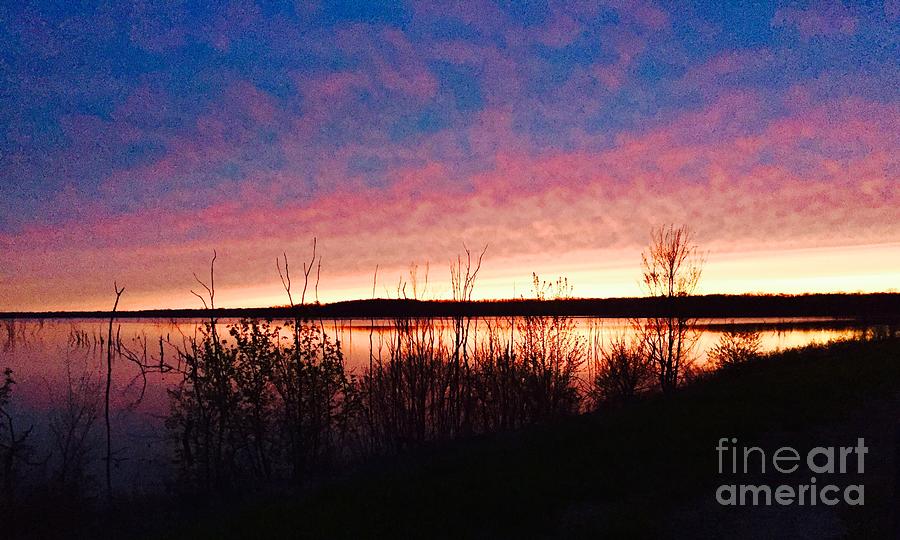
(109,349)
(672,266)
(368,388)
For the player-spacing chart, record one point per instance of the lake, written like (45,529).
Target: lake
(59,369)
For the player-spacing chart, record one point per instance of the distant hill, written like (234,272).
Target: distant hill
(875,306)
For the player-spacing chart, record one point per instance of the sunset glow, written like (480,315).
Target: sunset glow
(136,141)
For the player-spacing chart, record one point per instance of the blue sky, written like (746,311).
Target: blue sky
(165,127)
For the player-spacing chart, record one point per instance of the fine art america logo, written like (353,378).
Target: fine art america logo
(738,460)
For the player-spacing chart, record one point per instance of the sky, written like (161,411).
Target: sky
(138,137)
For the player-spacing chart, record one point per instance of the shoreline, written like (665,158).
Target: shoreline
(868,307)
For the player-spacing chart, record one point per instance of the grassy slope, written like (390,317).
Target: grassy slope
(648,469)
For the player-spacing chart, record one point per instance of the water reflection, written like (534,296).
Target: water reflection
(57,366)
(41,351)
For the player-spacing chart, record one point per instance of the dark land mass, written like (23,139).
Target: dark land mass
(645,469)
(875,307)
(648,469)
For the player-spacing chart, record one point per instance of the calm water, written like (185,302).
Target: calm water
(51,358)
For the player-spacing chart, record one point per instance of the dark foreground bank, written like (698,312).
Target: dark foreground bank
(644,469)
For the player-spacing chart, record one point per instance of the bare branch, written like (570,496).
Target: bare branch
(374,280)
(211,288)
(285,278)
(307,268)
(201,299)
(318,274)
(463,284)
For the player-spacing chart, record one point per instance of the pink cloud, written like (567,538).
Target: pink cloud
(406,71)
(892,9)
(643,12)
(627,47)
(485,16)
(826,18)
(457,52)
(337,84)
(561,30)
(157,30)
(782,183)
(390,58)
(714,72)
(232,19)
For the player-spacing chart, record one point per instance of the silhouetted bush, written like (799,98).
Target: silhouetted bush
(622,371)
(500,379)
(551,354)
(408,396)
(735,347)
(261,406)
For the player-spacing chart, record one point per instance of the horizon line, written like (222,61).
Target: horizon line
(317,306)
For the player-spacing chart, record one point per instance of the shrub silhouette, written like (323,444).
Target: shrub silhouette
(269,403)
(735,347)
(551,355)
(622,371)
